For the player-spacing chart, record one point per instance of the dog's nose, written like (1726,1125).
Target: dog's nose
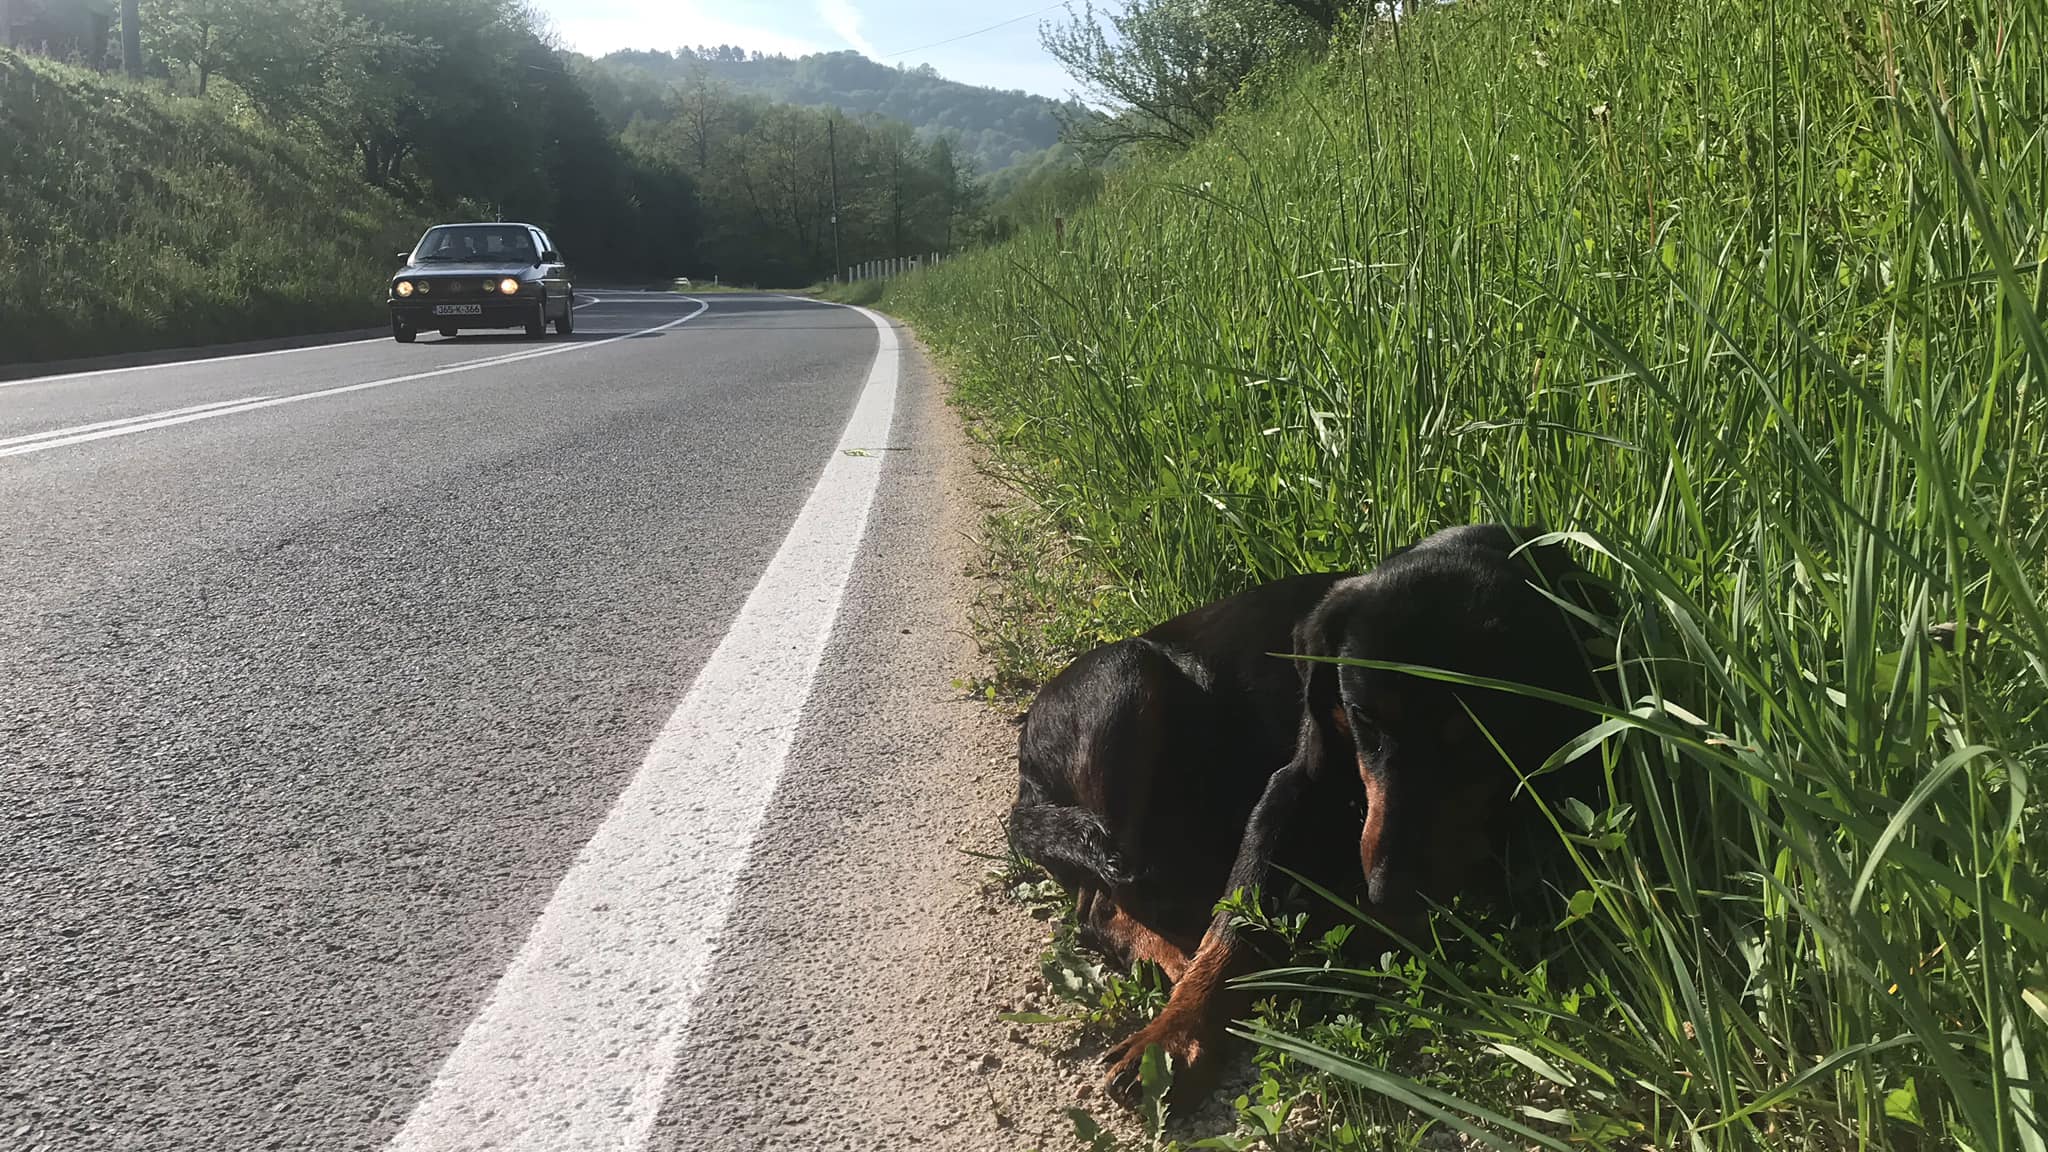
(1390,889)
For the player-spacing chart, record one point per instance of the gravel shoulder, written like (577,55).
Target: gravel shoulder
(853,1000)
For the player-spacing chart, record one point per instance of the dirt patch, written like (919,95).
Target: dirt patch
(854,1000)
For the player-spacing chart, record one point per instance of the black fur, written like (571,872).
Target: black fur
(1139,763)
(1176,767)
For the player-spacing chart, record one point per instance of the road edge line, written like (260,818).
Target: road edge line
(574,1047)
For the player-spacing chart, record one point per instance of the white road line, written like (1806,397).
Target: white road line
(184,363)
(218,359)
(573,1048)
(167,421)
(56,432)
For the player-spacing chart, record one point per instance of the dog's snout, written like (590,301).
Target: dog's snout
(1391,888)
(1389,881)
(1379,885)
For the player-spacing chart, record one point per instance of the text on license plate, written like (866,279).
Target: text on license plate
(458,309)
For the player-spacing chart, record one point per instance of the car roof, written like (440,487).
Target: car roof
(484,224)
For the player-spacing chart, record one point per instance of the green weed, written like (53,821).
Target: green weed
(1747,295)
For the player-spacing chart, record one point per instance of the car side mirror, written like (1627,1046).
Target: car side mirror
(551,257)
(405,256)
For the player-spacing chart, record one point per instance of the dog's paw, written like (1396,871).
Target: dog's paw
(1181,1039)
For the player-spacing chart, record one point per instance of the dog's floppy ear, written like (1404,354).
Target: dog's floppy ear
(1555,570)
(1316,635)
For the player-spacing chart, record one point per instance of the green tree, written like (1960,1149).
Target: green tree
(1167,69)
(1324,14)
(195,35)
(961,195)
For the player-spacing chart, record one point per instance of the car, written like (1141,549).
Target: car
(486,275)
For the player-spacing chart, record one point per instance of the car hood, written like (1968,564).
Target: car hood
(500,268)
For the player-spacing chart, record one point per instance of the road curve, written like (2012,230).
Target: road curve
(318,669)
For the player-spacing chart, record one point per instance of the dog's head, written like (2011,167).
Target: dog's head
(1439,760)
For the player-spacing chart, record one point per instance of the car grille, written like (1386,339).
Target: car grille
(463,288)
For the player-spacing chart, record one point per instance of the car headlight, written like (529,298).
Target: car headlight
(509,286)
(423,287)
(405,287)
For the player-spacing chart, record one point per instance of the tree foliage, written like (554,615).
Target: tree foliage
(766,175)
(1161,72)
(995,129)
(1324,14)
(465,105)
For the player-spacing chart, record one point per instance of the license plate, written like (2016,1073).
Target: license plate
(458,309)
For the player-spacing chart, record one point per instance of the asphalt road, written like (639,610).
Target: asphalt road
(318,670)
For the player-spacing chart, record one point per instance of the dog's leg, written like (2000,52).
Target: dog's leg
(1128,940)
(1190,1028)
(1111,929)
(1092,907)
(1142,943)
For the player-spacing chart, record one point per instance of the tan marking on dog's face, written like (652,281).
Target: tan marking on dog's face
(1375,818)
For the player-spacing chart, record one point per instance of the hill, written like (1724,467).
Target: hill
(996,128)
(130,219)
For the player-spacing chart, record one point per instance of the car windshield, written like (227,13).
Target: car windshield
(496,243)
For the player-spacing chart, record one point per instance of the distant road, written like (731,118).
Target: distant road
(319,669)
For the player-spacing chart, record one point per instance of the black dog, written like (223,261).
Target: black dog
(1159,774)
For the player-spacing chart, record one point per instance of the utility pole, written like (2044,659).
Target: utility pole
(131,38)
(832,151)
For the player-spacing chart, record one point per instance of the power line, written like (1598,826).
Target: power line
(976,32)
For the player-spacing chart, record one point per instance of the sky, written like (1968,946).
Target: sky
(892,31)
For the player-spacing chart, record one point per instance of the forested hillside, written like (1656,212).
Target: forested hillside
(995,129)
(129,220)
(446,104)
(257,173)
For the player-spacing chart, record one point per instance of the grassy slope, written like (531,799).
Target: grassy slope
(1750,294)
(130,220)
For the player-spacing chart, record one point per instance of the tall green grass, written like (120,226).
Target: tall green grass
(131,220)
(1746,294)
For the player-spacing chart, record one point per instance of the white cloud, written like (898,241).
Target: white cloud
(842,17)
